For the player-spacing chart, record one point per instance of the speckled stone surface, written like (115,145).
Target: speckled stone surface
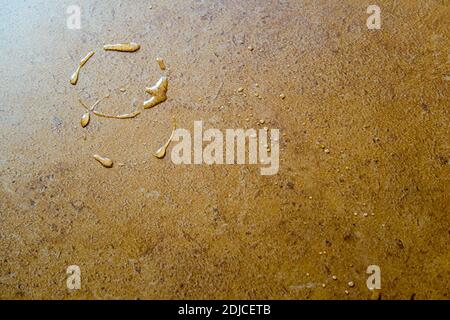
(150,229)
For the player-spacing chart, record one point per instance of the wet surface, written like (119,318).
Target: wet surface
(364,151)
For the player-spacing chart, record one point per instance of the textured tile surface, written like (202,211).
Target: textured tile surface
(377,100)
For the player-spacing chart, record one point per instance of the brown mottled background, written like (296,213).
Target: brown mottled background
(378,100)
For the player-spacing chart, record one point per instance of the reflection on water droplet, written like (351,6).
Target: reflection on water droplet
(158,92)
(106,162)
(122,47)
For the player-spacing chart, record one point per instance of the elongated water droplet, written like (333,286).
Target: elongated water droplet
(76,74)
(85,119)
(161,63)
(106,162)
(120,116)
(161,152)
(158,92)
(130,115)
(86,59)
(122,47)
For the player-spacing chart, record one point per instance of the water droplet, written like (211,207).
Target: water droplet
(85,119)
(122,47)
(106,162)
(161,63)
(158,92)
(120,116)
(161,152)
(75,75)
